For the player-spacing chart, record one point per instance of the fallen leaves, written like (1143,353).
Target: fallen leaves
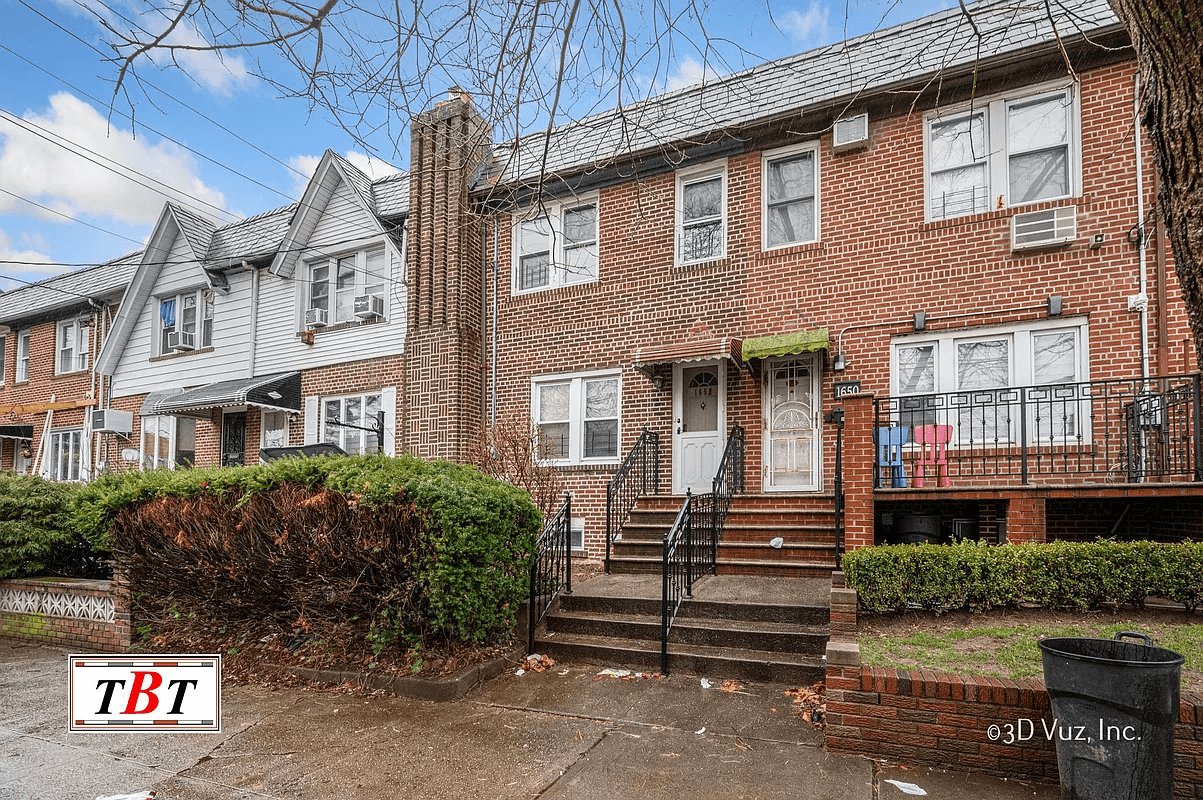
(732,686)
(810,703)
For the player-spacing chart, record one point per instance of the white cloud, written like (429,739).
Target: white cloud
(374,168)
(15,262)
(808,28)
(35,168)
(215,71)
(688,73)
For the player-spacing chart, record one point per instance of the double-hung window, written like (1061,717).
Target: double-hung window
(22,356)
(71,347)
(556,245)
(168,442)
(791,181)
(186,321)
(351,286)
(353,422)
(968,379)
(702,214)
(64,455)
(1002,152)
(578,417)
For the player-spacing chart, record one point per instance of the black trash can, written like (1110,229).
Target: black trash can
(1115,704)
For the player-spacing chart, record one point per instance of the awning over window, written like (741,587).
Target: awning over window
(281,391)
(785,344)
(304,451)
(16,431)
(648,358)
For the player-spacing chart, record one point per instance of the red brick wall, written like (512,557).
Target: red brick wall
(925,717)
(81,634)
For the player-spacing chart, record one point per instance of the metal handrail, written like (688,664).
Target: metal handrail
(551,571)
(676,573)
(638,475)
(729,479)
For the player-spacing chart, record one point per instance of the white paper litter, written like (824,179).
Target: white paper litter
(520,672)
(615,673)
(776,542)
(134,796)
(705,683)
(700,732)
(907,788)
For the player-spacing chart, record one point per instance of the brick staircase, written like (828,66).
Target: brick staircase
(806,523)
(747,628)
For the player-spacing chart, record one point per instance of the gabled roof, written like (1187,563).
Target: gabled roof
(333,170)
(939,43)
(391,194)
(68,291)
(196,230)
(249,239)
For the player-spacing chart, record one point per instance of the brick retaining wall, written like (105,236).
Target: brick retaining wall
(81,614)
(925,717)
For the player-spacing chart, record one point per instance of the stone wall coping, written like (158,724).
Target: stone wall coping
(50,584)
(843,654)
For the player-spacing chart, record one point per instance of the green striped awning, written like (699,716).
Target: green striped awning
(785,344)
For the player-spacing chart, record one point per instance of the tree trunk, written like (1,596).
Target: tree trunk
(1166,35)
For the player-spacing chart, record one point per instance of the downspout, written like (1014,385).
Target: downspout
(493,375)
(484,310)
(1163,333)
(1141,244)
(254,313)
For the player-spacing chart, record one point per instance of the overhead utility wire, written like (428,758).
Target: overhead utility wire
(68,216)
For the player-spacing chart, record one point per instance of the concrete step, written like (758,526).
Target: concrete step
(779,637)
(763,551)
(778,569)
(713,662)
(796,614)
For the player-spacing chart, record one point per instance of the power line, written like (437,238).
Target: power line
(68,216)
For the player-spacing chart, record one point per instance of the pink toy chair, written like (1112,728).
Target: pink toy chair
(933,442)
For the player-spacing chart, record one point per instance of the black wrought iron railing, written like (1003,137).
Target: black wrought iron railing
(551,572)
(729,478)
(638,475)
(1111,431)
(836,417)
(677,573)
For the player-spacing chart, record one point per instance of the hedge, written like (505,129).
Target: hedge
(977,576)
(37,534)
(403,548)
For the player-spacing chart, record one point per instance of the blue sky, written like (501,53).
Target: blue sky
(60,149)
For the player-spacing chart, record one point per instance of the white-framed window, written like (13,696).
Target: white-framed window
(274,429)
(64,455)
(576,533)
(701,214)
(578,417)
(189,313)
(790,181)
(1003,151)
(961,378)
(168,442)
(352,422)
(335,282)
(555,244)
(22,356)
(71,347)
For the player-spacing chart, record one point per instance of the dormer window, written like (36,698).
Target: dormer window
(351,286)
(186,321)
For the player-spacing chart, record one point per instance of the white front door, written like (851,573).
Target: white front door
(793,453)
(700,416)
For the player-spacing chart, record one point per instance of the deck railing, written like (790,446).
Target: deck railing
(1111,431)
(638,475)
(551,572)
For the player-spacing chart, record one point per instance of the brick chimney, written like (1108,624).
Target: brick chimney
(444,392)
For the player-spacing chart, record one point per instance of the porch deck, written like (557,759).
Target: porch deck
(751,589)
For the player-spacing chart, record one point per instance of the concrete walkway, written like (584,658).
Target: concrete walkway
(564,733)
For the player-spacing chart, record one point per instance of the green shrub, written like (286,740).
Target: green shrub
(1056,575)
(406,548)
(37,532)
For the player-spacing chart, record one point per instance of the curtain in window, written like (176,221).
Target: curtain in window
(167,313)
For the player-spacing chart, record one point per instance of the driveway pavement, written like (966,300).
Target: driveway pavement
(564,733)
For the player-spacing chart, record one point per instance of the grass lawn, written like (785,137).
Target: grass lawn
(1003,644)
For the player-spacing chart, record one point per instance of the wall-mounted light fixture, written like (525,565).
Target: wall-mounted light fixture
(1054,305)
(658,383)
(839,364)
(920,322)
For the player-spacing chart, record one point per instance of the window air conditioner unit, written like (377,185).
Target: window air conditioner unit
(112,420)
(850,133)
(317,318)
(369,306)
(181,340)
(1048,228)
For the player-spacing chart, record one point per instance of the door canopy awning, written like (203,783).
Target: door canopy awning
(16,431)
(649,359)
(785,344)
(278,392)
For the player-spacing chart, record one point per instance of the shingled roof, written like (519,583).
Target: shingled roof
(839,72)
(68,291)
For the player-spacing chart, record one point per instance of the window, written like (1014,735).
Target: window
(790,197)
(22,456)
(189,313)
(351,423)
(701,215)
(168,442)
(969,367)
(63,455)
(275,429)
(1004,152)
(556,248)
(3,356)
(23,356)
(577,417)
(71,346)
(335,283)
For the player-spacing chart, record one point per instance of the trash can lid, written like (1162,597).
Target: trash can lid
(1111,651)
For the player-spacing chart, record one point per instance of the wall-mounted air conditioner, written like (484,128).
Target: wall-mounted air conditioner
(181,340)
(369,306)
(850,133)
(1048,228)
(112,420)
(317,318)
